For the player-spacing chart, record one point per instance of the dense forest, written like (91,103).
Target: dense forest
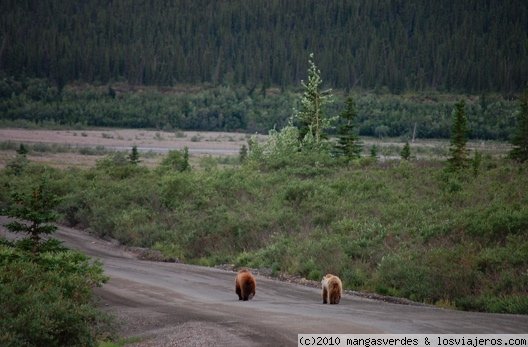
(457,46)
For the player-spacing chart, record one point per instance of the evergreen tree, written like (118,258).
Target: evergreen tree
(243,153)
(519,151)
(457,149)
(185,164)
(374,151)
(33,212)
(22,150)
(406,151)
(134,156)
(311,114)
(17,165)
(348,144)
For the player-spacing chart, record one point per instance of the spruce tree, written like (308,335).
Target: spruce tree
(406,151)
(311,114)
(22,150)
(134,156)
(348,144)
(33,213)
(519,151)
(185,163)
(458,152)
(374,151)
(243,153)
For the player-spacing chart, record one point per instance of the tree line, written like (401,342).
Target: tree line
(462,46)
(28,102)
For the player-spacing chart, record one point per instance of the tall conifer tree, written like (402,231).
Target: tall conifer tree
(406,151)
(457,150)
(33,213)
(311,114)
(348,144)
(134,156)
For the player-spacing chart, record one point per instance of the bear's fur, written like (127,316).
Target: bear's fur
(245,285)
(332,289)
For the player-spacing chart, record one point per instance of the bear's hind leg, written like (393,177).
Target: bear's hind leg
(239,292)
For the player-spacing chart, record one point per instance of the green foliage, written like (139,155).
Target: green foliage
(34,212)
(134,156)
(223,108)
(348,143)
(45,289)
(476,162)
(278,148)
(185,160)
(514,304)
(458,152)
(243,154)
(372,45)
(22,150)
(47,300)
(176,161)
(117,165)
(17,165)
(406,151)
(311,115)
(496,222)
(519,141)
(374,151)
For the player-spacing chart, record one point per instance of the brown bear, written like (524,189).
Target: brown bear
(245,285)
(332,289)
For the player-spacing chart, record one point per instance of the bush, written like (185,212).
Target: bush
(175,161)
(437,276)
(497,222)
(514,304)
(47,300)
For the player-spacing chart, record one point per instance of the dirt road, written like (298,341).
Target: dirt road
(200,143)
(167,304)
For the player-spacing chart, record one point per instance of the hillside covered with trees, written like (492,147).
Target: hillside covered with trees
(457,46)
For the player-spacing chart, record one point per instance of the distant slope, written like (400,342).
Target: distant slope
(469,46)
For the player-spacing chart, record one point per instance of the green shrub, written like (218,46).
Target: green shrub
(436,275)
(175,161)
(514,304)
(47,300)
(354,275)
(497,222)
(401,275)
(117,166)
